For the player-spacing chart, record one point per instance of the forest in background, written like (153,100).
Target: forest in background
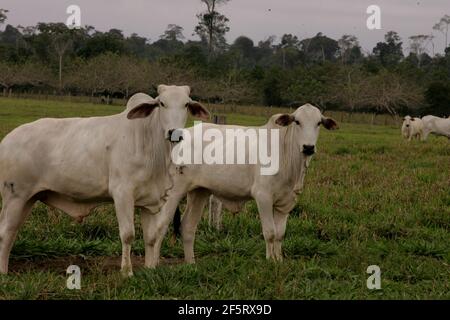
(334,74)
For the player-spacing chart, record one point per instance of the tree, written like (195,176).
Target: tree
(351,88)
(437,96)
(3,16)
(319,48)
(244,49)
(312,84)
(34,74)
(59,37)
(389,52)
(62,43)
(387,92)
(136,45)
(245,45)
(289,47)
(173,33)
(418,46)
(212,26)
(8,76)
(289,41)
(103,42)
(349,49)
(443,27)
(272,87)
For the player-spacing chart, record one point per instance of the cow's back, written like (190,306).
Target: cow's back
(57,153)
(440,126)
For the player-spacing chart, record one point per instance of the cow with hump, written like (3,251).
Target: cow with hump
(275,194)
(436,125)
(77,164)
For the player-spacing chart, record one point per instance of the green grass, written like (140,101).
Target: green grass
(370,198)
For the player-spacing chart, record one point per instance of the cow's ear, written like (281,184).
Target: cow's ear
(198,110)
(161,88)
(187,89)
(329,123)
(284,120)
(142,110)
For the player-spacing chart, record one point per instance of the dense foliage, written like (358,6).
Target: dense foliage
(333,74)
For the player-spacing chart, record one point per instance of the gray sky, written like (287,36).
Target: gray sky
(254,18)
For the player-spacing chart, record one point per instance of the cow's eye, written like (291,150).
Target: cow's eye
(297,122)
(162,104)
(319,123)
(187,104)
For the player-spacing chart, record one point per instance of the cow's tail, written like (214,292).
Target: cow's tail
(176,224)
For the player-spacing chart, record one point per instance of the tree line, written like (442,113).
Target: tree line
(331,73)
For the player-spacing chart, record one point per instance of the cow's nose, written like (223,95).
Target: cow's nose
(308,149)
(407,125)
(175,135)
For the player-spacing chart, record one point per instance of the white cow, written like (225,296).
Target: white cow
(412,128)
(275,195)
(76,164)
(436,125)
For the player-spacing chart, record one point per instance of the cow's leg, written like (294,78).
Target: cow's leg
(14,213)
(155,227)
(196,202)
(265,207)
(124,204)
(280,218)
(149,228)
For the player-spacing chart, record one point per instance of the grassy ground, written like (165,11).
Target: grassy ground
(370,199)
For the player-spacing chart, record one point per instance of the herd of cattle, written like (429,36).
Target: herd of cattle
(77,164)
(420,128)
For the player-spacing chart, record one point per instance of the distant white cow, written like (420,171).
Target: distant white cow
(275,195)
(412,128)
(77,164)
(436,125)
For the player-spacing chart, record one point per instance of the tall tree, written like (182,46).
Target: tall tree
(62,43)
(320,48)
(289,46)
(418,46)
(136,45)
(212,26)
(245,45)
(244,48)
(443,27)
(59,37)
(3,16)
(349,49)
(173,33)
(389,52)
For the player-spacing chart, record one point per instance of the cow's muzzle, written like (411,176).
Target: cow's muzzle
(309,150)
(175,135)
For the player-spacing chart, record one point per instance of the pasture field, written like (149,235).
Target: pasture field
(370,198)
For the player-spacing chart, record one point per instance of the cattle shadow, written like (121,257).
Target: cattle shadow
(88,265)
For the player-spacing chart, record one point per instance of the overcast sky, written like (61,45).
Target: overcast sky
(254,18)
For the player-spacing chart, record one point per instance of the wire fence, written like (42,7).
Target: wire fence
(252,110)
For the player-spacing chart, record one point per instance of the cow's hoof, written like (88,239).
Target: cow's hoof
(126,273)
